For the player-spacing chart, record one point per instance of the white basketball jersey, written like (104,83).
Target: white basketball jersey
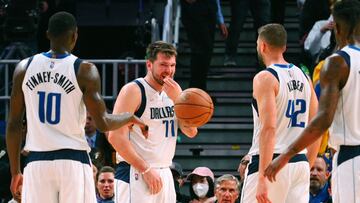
(55,111)
(345,128)
(292,104)
(158,113)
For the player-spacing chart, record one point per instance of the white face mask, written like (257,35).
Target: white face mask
(201,189)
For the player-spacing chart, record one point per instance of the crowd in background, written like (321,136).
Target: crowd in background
(316,25)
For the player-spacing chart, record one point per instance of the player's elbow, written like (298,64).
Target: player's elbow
(269,129)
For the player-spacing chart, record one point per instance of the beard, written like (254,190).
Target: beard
(160,78)
(261,61)
(315,186)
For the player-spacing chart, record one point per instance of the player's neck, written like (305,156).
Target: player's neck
(279,59)
(58,51)
(155,85)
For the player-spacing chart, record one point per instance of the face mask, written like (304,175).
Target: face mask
(201,189)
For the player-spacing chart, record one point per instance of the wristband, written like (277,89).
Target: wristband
(147,170)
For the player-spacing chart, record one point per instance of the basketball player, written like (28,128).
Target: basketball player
(144,175)
(283,103)
(339,108)
(54,88)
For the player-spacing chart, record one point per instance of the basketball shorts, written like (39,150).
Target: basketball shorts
(345,175)
(60,176)
(292,182)
(131,188)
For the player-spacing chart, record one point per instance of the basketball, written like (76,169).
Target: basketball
(194,107)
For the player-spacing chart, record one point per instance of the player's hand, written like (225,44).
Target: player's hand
(262,192)
(153,181)
(16,185)
(144,128)
(275,166)
(223,30)
(171,88)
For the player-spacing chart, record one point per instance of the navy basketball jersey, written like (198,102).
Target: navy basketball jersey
(292,105)
(55,111)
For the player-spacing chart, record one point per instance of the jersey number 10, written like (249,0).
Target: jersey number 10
(47,102)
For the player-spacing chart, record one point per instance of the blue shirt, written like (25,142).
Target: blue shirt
(101,200)
(322,196)
(91,140)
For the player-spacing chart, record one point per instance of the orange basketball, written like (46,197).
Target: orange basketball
(194,107)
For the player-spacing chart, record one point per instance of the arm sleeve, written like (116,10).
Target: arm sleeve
(219,15)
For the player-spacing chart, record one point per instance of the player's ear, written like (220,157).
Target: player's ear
(48,35)
(263,46)
(149,64)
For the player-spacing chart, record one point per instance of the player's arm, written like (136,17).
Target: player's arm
(129,100)
(313,149)
(89,82)
(13,129)
(333,78)
(265,88)
(173,90)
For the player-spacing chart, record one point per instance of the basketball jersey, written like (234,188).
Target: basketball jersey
(156,111)
(55,111)
(345,128)
(292,105)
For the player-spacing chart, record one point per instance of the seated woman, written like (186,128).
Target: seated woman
(201,185)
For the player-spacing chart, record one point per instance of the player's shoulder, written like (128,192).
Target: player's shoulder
(266,75)
(336,63)
(131,88)
(86,64)
(23,64)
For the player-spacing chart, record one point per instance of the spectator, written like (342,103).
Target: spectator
(101,150)
(260,10)
(105,185)
(313,11)
(177,173)
(242,166)
(319,186)
(95,165)
(199,18)
(227,189)
(319,38)
(201,185)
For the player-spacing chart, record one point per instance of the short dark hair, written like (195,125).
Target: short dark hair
(105,169)
(210,192)
(347,13)
(274,34)
(61,22)
(160,47)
